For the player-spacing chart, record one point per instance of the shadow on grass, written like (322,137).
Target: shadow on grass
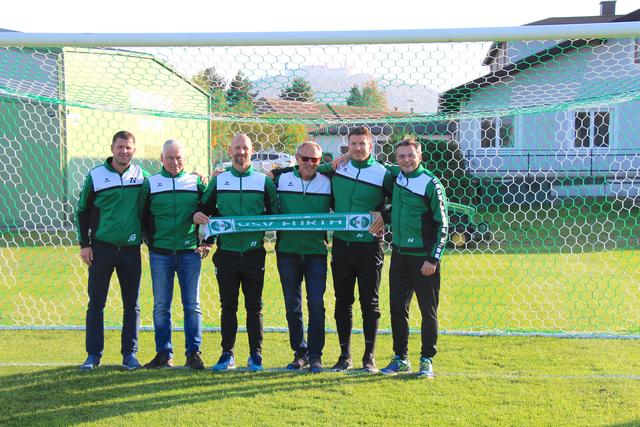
(68,396)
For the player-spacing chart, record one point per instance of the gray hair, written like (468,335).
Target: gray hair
(308,144)
(171,142)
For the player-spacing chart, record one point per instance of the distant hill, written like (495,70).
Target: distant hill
(332,85)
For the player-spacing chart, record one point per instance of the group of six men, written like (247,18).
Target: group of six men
(120,202)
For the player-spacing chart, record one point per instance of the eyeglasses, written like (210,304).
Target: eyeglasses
(313,160)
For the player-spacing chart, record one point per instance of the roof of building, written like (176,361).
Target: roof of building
(450,100)
(288,109)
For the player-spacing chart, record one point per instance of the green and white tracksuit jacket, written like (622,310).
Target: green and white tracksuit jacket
(240,194)
(296,196)
(108,209)
(419,218)
(358,186)
(168,206)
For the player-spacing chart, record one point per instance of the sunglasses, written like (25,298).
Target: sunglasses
(313,160)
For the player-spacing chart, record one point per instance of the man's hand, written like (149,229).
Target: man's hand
(87,256)
(218,171)
(203,250)
(269,174)
(377,226)
(200,218)
(203,178)
(340,160)
(428,269)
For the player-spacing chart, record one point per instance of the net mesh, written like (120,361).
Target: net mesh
(536,143)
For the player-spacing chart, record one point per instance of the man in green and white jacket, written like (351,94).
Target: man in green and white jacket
(419,224)
(240,257)
(169,199)
(109,232)
(303,254)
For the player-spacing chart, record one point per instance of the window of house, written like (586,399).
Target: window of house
(496,132)
(592,129)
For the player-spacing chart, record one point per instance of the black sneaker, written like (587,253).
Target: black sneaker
(194,361)
(315,365)
(299,362)
(343,363)
(369,364)
(160,361)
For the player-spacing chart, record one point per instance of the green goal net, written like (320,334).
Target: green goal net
(536,141)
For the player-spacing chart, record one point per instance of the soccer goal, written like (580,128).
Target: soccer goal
(534,132)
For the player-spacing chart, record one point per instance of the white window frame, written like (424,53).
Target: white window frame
(497,141)
(591,130)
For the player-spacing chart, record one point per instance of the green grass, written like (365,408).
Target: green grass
(584,292)
(569,225)
(480,381)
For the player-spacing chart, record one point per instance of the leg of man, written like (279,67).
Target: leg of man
(252,285)
(189,266)
(344,281)
(290,270)
(100,271)
(163,269)
(427,290)
(129,270)
(315,278)
(369,272)
(228,268)
(400,293)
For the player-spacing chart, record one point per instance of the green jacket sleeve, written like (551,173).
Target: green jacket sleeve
(326,170)
(209,201)
(83,212)
(144,211)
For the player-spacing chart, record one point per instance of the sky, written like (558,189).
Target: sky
(188,16)
(219,16)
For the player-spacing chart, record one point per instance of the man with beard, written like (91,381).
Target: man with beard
(303,254)
(240,257)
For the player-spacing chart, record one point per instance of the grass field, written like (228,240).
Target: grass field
(480,381)
(553,292)
(568,268)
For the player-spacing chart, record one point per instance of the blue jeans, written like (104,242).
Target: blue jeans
(163,269)
(314,271)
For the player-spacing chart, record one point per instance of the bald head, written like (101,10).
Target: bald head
(240,151)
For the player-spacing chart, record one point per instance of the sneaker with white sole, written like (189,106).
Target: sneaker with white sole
(426,368)
(225,363)
(369,364)
(92,362)
(344,363)
(398,365)
(130,362)
(254,363)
